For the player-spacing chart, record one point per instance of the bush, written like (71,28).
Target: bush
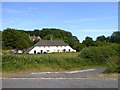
(116,47)
(42,62)
(113,65)
(98,54)
(16,62)
(78,47)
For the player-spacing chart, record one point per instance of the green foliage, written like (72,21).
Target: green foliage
(116,47)
(48,37)
(115,37)
(113,65)
(78,47)
(21,44)
(101,38)
(98,54)
(88,41)
(0,40)
(100,43)
(105,50)
(55,34)
(56,61)
(11,38)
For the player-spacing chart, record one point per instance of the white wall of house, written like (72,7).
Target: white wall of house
(50,49)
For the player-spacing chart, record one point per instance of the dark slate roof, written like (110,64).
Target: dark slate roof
(48,43)
(51,43)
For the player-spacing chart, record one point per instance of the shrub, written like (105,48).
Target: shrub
(116,47)
(113,65)
(16,62)
(98,54)
(41,62)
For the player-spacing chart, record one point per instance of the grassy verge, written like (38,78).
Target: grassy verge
(13,63)
(88,58)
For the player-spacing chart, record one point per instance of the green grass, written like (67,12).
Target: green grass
(113,65)
(23,63)
(13,63)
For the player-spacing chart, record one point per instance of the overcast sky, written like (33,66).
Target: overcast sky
(81,18)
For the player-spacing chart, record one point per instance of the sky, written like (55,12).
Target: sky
(82,19)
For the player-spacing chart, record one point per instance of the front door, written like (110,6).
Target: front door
(35,52)
(41,51)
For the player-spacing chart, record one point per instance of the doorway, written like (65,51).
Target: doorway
(41,51)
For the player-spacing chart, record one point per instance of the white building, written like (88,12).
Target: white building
(33,38)
(49,46)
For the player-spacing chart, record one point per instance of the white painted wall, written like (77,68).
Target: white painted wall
(50,49)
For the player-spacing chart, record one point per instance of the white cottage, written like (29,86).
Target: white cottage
(49,46)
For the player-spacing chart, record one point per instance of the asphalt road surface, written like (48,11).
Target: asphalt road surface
(67,79)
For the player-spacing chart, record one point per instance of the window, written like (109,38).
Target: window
(48,50)
(34,51)
(41,51)
(58,50)
(64,50)
(69,50)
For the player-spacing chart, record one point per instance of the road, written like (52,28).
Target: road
(67,79)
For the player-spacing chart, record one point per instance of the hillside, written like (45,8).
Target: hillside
(19,39)
(55,34)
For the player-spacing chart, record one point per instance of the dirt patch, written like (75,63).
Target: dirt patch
(112,75)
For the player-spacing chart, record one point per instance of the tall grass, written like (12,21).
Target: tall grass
(113,65)
(87,58)
(44,62)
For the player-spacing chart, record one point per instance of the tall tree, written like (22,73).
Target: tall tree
(88,41)
(10,37)
(101,38)
(22,44)
(58,34)
(79,46)
(115,37)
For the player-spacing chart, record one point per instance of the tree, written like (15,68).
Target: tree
(22,44)
(99,43)
(88,41)
(108,39)
(48,33)
(12,36)
(48,37)
(0,40)
(101,38)
(78,47)
(115,37)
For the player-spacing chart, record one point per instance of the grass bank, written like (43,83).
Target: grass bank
(89,57)
(13,63)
